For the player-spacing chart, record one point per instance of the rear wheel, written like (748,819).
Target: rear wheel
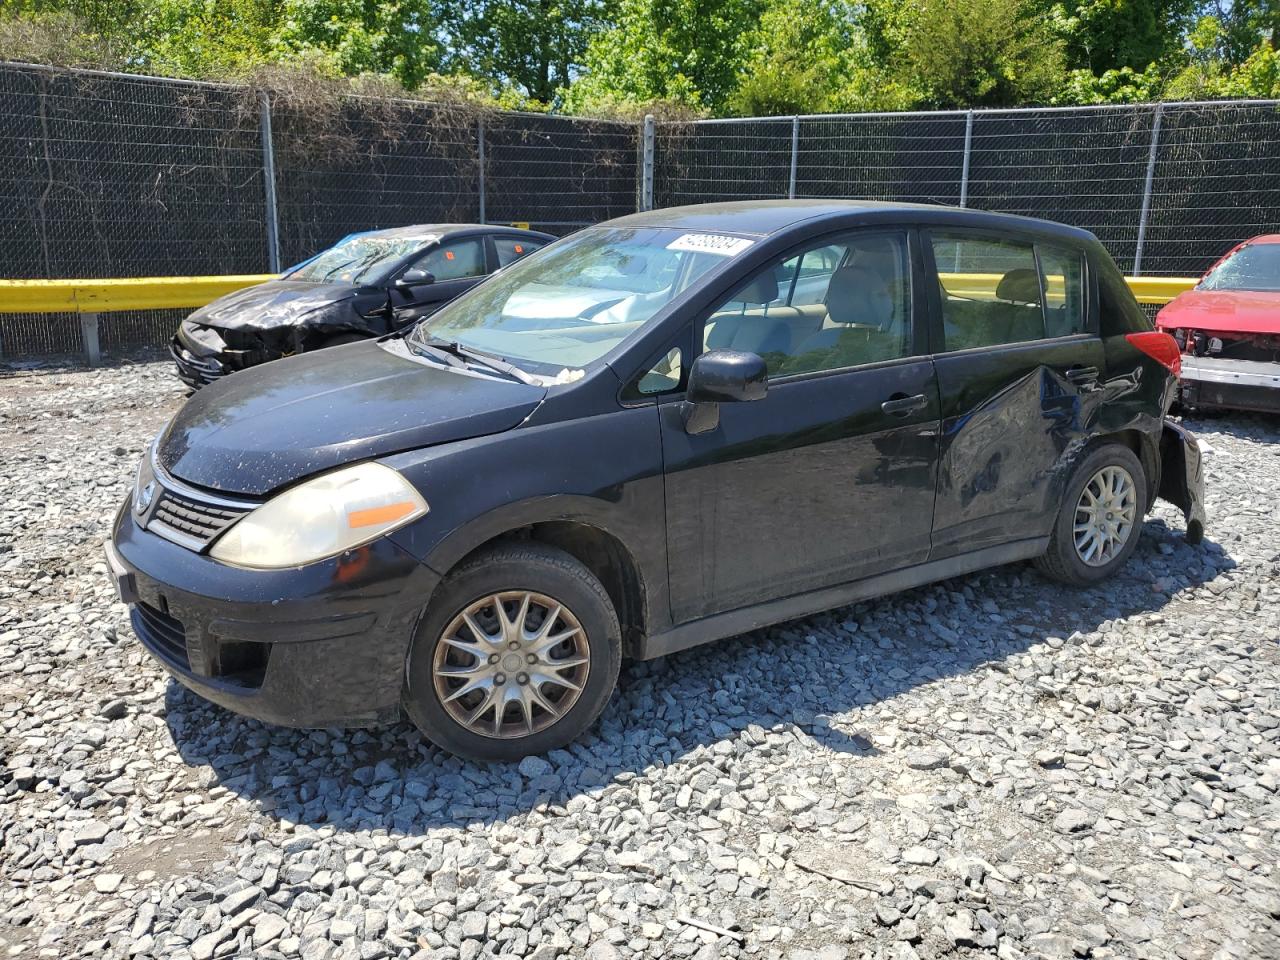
(517,654)
(1100,518)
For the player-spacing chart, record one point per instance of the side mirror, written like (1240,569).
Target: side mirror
(415,277)
(727,376)
(722,376)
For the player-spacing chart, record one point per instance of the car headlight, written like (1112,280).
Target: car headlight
(144,484)
(321,518)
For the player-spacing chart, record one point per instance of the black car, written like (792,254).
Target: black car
(668,429)
(366,285)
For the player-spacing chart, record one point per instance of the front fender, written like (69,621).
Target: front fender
(603,471)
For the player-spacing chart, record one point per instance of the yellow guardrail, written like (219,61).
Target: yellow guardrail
(88,298)
(1159,289)
(108,296)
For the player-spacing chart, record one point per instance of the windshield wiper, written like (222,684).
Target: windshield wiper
(454,348)
(441,350)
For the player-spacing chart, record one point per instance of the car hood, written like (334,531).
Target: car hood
(1223,311)
(276,303)
(274,424)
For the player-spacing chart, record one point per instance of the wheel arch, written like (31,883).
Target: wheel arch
(1145,447)
(587,539)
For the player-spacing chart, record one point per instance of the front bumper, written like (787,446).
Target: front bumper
(314,646)
(1238,384)
(195,371)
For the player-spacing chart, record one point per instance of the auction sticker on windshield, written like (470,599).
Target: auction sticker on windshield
(721,246)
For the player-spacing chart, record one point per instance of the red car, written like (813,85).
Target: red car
(1228,327)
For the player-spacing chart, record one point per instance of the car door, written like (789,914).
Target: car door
(831,476)
(452,268)
(1018,359)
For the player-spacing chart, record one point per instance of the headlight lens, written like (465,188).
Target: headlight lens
(321,518)
(144,487)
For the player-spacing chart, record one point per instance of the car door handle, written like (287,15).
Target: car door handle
(1082,376)
(901,405)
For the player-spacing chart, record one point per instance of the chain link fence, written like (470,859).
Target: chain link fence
(109,175)
(1167,188)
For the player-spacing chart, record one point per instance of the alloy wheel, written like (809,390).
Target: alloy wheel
(1105,515)
(511,664)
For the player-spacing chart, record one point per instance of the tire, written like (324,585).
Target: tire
(1063,561)
(439,668)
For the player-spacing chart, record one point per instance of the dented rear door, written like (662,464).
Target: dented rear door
(1015,413)
(1012,419)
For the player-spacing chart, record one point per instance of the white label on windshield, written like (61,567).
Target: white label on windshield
(712,243)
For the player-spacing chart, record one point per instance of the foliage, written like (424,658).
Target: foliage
(686,51)
(528,47)
(981,53)
(624,58)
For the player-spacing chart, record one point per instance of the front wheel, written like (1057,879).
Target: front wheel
(1100,518)
(517,653)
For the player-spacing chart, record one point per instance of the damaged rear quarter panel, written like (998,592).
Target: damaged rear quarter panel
(1014,426)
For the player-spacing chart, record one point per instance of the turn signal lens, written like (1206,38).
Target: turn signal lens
(1160,347)
(321,518)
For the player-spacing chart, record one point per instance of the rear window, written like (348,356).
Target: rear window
(1007,291)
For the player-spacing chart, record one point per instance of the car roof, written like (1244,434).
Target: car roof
(442,230)
(1265,238)
(765,217)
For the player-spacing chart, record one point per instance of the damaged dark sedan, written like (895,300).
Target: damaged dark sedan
(366,285)
(672,428)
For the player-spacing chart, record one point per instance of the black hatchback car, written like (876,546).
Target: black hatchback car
(366,285)
(668,429)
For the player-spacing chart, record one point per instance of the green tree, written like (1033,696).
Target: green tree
(1105,35)
(687,51)
(981,53)
(537,45)
(392,37)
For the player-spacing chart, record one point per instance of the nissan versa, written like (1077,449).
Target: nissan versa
(668,429)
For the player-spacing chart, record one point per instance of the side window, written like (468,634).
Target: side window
(511,249)
(663,377)
(455,261)
(1062,273)
(831,306)
(990,291)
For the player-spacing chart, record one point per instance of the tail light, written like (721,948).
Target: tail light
(1160,347)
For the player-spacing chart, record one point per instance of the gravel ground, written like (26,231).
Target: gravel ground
(994,765)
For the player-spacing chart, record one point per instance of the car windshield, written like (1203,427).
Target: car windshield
(360,259)
(1255,267)
(574,301)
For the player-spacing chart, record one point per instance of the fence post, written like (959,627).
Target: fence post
(646,166)
(795,155)
(968,152)
(269,182)
(1146,190)
(480,163)
(89,334)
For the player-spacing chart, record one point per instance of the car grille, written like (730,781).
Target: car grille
(163,635)
(193,519)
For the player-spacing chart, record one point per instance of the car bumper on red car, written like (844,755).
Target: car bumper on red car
(1225,382)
